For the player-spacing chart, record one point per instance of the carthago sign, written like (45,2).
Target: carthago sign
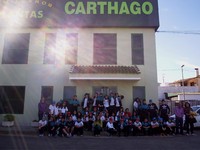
(80,13)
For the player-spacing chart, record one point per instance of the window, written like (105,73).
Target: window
(50,48)
(16,47)
(137,49)
(71,48)
(12,99)
(139,91)
(47,93)
(105,48)
(69,92)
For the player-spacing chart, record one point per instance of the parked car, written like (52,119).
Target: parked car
(195,109)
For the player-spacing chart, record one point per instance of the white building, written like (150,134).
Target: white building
(60,48)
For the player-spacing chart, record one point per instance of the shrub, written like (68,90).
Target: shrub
(9,117)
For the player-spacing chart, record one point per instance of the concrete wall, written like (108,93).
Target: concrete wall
(178,89)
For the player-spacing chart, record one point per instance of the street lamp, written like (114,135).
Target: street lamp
(183,82)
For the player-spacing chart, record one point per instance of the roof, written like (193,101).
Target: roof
(104,69)
(185,80)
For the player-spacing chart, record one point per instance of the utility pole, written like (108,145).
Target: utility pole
(183,82)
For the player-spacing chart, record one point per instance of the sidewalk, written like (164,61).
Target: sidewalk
(18,130)
(33,131)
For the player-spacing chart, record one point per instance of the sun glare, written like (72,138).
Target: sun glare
(60,50)
(11,15)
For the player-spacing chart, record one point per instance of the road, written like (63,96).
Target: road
(30,142)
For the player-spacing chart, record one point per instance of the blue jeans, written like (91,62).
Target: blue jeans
(179,125)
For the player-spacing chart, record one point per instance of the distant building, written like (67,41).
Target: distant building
(176,90)
(195,81)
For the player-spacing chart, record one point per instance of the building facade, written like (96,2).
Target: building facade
(57,49)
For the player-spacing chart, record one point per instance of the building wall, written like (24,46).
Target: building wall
(36,74)
(175,89)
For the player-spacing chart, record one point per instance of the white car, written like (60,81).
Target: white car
(195,109)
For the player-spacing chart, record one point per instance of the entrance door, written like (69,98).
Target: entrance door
(47,93)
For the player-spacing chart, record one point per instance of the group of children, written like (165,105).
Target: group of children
(63,122)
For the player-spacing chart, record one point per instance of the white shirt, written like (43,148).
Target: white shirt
(137,124)
(135,104)
(117,102)
(106,103)
(79,124)
(170,124)
(154,123)
(102,118)
(74,118)
(42,122)
(56,111)
(52,109)
(94,103)
(112,101)
(64,110)
(110,125)
(85,102)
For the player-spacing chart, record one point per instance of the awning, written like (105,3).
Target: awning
(104,72)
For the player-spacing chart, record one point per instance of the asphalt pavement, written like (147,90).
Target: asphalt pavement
(21,138)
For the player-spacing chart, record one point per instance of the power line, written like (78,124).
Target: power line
(181,32)
(168,69)
(186,70)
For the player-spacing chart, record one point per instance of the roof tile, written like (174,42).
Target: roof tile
(104,69)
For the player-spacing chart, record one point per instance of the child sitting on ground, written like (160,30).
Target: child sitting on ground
(154,127)
(162,127)
(171,125)
(110,127)
(146,126)
(137,130)
(42,126)
(78,129)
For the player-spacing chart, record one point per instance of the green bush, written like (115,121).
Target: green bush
(9,117)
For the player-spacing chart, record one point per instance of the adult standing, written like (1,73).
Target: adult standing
(153,110)
(144,110)
(52,108)
(179,113)
(136,105)
(189,124)
(106,103)
(100,104)
(118,102)
(112,103)
(164,111)
(85,102)
(42,108)
(74,104)
(94,101)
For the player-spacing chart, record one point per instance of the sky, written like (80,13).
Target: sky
(176,49)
